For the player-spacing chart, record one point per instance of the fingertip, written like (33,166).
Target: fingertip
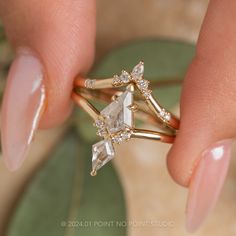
(176,167)
(64,40)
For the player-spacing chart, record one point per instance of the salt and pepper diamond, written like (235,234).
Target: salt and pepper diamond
(117,114)
(143,84)
(125,77)
(116,80)
(114,124)
(103,151)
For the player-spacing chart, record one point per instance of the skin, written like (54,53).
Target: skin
(62,33)
(208,101)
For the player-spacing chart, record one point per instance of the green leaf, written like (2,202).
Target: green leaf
(63,192)
(166,62)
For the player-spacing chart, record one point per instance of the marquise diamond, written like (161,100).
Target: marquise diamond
(138,71)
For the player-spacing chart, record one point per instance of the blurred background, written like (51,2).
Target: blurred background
(151,203)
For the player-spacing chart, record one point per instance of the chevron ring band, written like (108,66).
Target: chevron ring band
(130,98)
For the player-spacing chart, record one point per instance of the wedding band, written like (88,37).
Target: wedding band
(135,77)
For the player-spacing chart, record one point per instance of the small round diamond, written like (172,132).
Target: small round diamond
(117,139)
(143,84)
(116,80)
(124,77)
(99,123)
(89,83)
(126,135)
(167,116)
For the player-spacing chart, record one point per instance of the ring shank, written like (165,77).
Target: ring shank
(153,135)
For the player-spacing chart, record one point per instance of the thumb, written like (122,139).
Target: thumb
(54,41)
(200,156)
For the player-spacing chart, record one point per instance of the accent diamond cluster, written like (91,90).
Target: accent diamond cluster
(123,79)
(136,76)
(122,136)
(165,115)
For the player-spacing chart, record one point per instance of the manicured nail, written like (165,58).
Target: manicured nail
(206,183)
(23,103)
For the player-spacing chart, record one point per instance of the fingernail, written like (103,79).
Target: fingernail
(23,103)
(206,183)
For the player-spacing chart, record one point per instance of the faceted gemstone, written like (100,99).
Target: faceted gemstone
(117,139)
(118,114)
(143,84)
(103,152)
(99,123)
(165,115)
(124,77)
(138,70)
(116,80)
(121,136)
(89,83)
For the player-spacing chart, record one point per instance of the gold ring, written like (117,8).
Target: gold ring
(115,123)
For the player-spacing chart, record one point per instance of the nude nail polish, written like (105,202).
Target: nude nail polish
(22,107)
(206,183)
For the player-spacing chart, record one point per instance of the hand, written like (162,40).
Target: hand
(200,156)
(54,41)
